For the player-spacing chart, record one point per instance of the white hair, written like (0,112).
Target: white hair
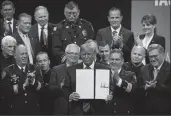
(39,8)
(6,39)
(71,45)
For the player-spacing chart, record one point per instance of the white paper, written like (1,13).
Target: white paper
(102,84)
(85,83)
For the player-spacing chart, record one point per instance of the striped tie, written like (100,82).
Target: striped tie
(86,106)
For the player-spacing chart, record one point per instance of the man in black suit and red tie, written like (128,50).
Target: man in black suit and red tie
(116,35)
(42,32)
(157,82)
(8,25)
(77,106)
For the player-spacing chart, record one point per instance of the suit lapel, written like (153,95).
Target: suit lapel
(109,35)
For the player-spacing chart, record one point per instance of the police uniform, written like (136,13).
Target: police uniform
(122,95)
(68,32)
(138,95)
(26,100)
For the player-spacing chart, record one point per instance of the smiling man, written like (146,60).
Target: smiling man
(42,31)
(116,35)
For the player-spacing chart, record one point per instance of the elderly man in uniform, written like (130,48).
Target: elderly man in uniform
(125,84)
(20,85)
(137,55)
(71,30)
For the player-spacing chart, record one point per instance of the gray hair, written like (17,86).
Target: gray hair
(154,47)
(138,46)
(39,8)
(93,44)
(6,39)
(71,45)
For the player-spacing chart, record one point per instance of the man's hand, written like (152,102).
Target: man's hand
(26,83)
(116,76)
(109,97)
(150,84)
(74,96)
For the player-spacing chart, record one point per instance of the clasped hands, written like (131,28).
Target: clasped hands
(30,79)
(75,97)
(150,84)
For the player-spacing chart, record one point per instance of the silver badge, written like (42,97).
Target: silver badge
(84,32)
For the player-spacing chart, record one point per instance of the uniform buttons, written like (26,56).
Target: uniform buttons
(25,102)
(115,104)
(10,106)
(128,112)
(114,111)
(75,36)
(75,42)
(25,94)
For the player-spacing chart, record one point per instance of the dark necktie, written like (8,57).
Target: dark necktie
(10,29)
(86,105)
(41,36)
(22,69)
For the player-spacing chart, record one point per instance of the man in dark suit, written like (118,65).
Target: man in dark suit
(42,32)
(71,30)
(72,53)
(124,84)
(157,82)
(22,37)
(77,106)
(8,25)
(20,85)
(116,35)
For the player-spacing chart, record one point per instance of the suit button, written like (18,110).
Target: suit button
(25,94)
(25,102)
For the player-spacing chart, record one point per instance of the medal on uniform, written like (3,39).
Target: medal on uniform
(84,32)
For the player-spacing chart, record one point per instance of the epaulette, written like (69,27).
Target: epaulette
(83,20)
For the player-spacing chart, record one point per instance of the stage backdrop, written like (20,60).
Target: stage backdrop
(95,11)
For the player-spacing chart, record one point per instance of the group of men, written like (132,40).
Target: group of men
(39,62)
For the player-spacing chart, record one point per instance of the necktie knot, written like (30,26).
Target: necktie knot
(42,27)
(22,69)
(9,22)
(114,33)
(87,67)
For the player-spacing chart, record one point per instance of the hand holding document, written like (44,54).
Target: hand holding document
(92,85)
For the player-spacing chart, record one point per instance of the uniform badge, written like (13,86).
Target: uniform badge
(84,32)
(79,26)
(3,74)
(54,29)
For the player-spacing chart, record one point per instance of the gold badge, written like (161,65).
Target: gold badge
(84,32)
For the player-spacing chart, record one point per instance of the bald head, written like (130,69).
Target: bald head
(137,54)
(21,55)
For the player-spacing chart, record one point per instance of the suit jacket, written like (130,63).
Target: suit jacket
(35,35)
(57,78)
(155,40)
(128,39)
(26,101)
(122,99)
(70,86)
(2,30)
(158,98)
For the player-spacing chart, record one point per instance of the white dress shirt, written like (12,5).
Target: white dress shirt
(45,30)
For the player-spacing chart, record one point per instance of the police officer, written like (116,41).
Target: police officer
(20,85)
(135,65)
(71,30)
